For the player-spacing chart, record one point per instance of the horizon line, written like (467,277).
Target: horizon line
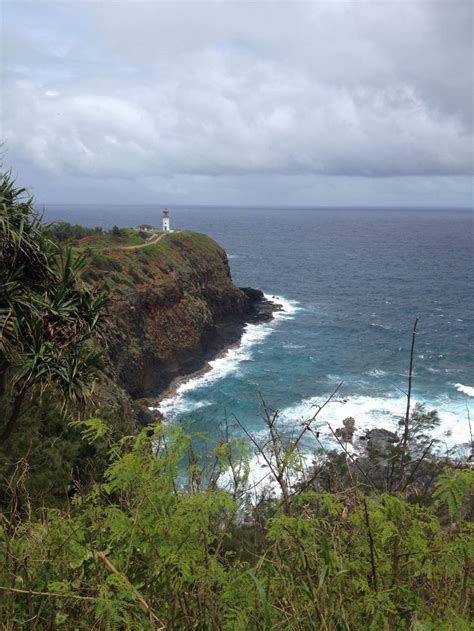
(266,206)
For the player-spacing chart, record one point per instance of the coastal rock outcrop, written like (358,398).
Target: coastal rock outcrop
(380,439)
(173,307)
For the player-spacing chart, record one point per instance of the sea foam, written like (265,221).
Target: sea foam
(368,412)
(376,372)
(261,479)
(379,411)
(228,362)
(469,390)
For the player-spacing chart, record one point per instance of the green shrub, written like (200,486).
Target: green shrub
(161,544)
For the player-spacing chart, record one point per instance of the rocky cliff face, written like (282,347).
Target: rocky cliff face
(173,306)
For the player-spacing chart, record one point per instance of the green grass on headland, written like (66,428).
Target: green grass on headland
(127,237)
(117,264)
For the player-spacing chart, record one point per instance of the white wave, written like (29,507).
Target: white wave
(376,372)
(233,256)
(368,412)
(381,326)
(335,378)
(469,390)
(371,412)
(261,479)
(288,307)
(183,406)
(291,346)
(228,363)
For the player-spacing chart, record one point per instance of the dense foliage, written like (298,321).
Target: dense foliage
(74,234)
(63,231)
(154,547)
(50,358)
(46,317)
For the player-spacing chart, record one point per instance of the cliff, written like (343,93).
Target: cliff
(173,306)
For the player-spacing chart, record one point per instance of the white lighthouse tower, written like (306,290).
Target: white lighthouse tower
(166,220)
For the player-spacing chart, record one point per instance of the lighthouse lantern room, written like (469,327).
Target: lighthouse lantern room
(166,220)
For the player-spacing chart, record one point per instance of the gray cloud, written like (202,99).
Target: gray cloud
(262,93)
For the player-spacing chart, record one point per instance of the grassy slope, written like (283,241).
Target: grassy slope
(129,236)
(183,252)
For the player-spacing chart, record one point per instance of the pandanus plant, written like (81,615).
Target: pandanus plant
(49,321)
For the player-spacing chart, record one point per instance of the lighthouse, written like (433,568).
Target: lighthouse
(166,220)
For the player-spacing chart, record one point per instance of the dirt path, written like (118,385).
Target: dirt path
(152,241)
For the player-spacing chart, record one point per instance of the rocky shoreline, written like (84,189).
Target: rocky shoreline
(227,335)
(173,307)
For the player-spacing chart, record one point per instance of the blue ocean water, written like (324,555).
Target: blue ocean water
(352,282)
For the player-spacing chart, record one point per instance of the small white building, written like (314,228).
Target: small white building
(166,220)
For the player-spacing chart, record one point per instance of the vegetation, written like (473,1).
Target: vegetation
(80,236)
(103,529)
(119,268)
(50,350)
(47,319)
(161,545)
(65,232)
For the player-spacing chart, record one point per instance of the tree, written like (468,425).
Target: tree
(48,320)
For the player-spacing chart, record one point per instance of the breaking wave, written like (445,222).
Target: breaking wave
(376,372)
(228,363)
(469,390)
(381,411)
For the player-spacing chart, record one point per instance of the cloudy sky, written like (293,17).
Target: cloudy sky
(267,103)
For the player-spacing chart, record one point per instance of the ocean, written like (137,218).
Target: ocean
(351,281)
